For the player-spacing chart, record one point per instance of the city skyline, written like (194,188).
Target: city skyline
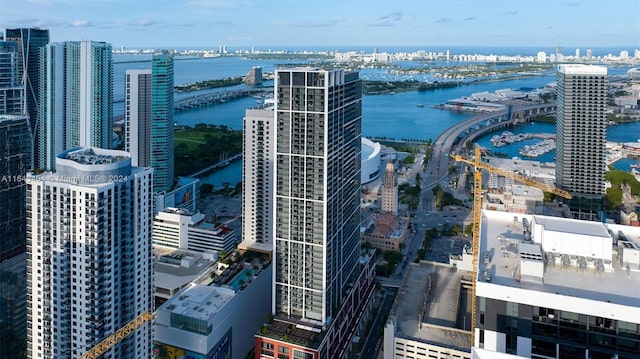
(212,23)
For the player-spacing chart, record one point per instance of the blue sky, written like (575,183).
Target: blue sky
(210,23)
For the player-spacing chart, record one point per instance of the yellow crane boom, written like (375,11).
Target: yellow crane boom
(526,180)
(477,214)
(115,338)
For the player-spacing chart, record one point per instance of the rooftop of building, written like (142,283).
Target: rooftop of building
(427,306)
(198,220)
(386,225)
(582,69)
(175,268)
(94,156)
(198,301)
(571,257)
(169,272)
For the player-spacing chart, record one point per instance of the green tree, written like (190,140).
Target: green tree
(468,229)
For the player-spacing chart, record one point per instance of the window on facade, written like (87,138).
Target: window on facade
(297,354)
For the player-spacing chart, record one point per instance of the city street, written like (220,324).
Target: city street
(372,344)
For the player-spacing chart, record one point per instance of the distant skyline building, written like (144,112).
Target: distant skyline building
(30,41)
(76,107)
(137,116)
(90,255)
(389,190)
(15,161)
(258,154)
(11,88)
(162,123)
(581,136)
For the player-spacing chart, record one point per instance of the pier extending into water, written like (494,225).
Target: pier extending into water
(207,99)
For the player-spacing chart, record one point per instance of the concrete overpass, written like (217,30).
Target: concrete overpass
(456,136)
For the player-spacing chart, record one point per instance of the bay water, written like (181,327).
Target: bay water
(405,115)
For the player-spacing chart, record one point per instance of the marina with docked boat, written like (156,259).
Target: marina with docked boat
(547,144)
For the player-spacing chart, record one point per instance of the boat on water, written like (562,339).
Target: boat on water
(419,105)
(635,166)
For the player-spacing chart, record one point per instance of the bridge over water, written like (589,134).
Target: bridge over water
(206,99)
(456,136)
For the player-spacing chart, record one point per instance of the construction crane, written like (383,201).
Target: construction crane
(477,213)
(115,338)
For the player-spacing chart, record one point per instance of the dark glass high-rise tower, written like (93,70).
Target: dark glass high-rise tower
(11,88)
(162,123)
(317,191)
(29,41)
(15,161)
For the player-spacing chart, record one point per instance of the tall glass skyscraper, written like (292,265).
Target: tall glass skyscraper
(581,133)
(11,88)
(30,41)
(317,191)
(15,161)
(137,116)
(76,99)
(162,123)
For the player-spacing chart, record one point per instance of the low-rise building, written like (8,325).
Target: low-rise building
(184,229)
(515,198)
(182,195)
(216,320)
(386,231)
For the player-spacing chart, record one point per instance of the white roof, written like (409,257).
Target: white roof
(571,226)
(198,301)
(502,235)
(580,69)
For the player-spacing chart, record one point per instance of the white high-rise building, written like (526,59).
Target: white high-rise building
(257,179)
(541,57)
(581,133)
(577,54)
(90,259)
(76,99)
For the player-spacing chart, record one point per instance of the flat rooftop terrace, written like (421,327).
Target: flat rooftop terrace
(198,301)
(575,276)
(92,156)
(172,275)
(431,317)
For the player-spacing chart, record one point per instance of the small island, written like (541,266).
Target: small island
(209,84)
